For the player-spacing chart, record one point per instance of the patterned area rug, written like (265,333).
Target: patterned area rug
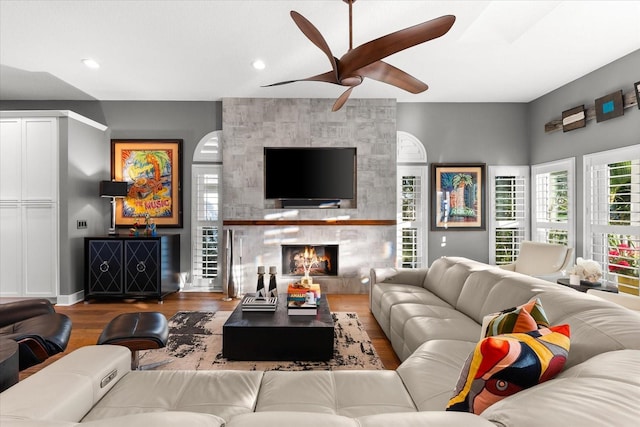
(195,342)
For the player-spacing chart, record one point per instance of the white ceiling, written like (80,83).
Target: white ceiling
(497,51)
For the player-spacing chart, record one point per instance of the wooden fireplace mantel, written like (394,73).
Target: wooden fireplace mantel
(303,222)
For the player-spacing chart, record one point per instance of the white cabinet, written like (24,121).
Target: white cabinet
(29,207)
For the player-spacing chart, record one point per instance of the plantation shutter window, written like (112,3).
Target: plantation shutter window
(612,215)
(553,202)
(206,227)
(411,203)
(412,219)
(508,212)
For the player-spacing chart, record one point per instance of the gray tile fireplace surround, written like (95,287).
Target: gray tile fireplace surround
(249,125)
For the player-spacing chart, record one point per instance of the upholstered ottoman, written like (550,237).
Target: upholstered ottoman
(136,331)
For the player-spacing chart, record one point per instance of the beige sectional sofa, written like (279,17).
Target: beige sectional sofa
(432,317)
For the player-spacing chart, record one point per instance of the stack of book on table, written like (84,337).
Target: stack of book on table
(251,303)
(303,300)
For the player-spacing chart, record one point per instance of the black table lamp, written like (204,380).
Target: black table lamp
(113,189)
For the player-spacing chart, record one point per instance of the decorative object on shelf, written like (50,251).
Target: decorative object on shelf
(303,299)
(457,196)
(273,286)
(629,99)
(250,303)
(229,285)
(114,190)
(152,170)
(574,118)
(609,106)
(585,270)
(133,231)
(636,87)
(261,293)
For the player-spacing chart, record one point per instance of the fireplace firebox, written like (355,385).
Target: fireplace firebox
(322,260)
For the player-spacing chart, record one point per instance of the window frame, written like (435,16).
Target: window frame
(562,165)
(523,172)
(590,227)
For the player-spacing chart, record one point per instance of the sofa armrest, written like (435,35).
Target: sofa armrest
(401,276)
(68,388)
(16,311)
(508,267)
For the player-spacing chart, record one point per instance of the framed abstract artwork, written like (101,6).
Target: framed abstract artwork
(636,86)
(458,196)
(609,106)
(152,169)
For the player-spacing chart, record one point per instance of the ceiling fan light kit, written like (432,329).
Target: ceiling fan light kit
(366,60)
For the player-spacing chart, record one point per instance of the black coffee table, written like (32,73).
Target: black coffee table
(250,335)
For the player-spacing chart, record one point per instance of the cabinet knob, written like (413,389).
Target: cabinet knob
(141,267)
(104,266)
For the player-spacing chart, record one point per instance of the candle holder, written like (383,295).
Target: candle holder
(273,286)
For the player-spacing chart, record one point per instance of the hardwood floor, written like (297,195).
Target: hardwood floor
(89,319)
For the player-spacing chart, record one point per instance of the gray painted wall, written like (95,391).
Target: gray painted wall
(81,169)
(594,137)
(494,134)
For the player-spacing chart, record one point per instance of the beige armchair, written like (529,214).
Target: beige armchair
(544,260)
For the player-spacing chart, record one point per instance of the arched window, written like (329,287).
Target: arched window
(412,202)
(206,223)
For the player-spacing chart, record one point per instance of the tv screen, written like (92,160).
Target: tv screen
(310,173)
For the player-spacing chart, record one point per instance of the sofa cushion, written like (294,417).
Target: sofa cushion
(597,326)
(389,295)
(221,393)
(290,419)
(524,318)
(447,275)
(348,393)
(159,419)
(503,365)
(447,325)
(414,324)
(493,290)
(424,419)
(431,372)
(598,392)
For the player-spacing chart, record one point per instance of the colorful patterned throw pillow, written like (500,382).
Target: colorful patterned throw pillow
(524,318)
(501,366)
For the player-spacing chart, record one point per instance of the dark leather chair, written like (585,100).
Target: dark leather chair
(39,331)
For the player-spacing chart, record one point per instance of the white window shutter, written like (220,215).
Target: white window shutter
(508,212)
(553,202)
(206,227)
(612,214)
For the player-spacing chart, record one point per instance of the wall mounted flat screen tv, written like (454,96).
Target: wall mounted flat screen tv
(310,173)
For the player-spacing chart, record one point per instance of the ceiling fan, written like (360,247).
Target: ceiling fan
(366,60)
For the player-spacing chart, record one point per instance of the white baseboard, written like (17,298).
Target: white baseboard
(70,299)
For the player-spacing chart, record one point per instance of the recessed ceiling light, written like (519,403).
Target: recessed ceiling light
(91,63)
(259,64)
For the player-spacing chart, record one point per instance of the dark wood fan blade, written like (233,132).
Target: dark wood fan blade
(328,77)
(383,72)
(342,99)
(312,33)
(384,46)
